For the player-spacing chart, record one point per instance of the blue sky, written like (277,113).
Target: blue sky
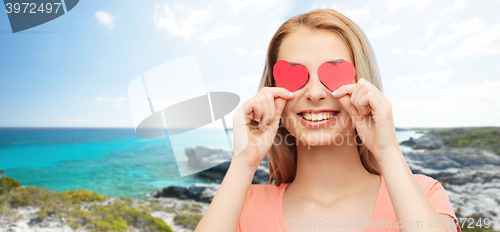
(439,60)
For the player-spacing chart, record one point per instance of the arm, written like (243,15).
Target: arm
(224,211)
(409,201)
(251,145)
(371,113)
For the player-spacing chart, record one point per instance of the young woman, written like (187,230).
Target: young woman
(338,170)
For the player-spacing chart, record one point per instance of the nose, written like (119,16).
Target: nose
(315,90)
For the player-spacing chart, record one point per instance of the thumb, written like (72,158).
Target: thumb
(352,111)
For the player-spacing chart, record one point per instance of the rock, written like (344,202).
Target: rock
(205,193)
(476,144)
(217,173)
(470,176)
(427,141)
(458,130)
(197,192)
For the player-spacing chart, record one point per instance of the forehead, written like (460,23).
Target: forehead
(312,47)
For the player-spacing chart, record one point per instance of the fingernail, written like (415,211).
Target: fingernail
(290,92)
(264,128)
(334,92)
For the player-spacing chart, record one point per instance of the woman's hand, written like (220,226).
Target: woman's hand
(371,113)
(255,124)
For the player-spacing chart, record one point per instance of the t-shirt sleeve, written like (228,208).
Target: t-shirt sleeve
(439,199)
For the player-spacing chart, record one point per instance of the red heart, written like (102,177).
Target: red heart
(335,76)
(288,77)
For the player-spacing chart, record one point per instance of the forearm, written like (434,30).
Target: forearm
(409,200)
(224,211)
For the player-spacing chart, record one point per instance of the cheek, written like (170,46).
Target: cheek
(290,121)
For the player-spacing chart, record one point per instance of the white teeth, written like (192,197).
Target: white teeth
(317,117)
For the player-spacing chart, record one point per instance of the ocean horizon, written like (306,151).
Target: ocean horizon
(110,161)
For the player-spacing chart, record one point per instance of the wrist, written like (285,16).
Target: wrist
(239,163)
(246,160)
(389,156)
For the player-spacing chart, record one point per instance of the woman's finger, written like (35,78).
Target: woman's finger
(267,110)
(343,90)
(372,102)
(278,92)
(352,111)
(272,109)
(253,109)
(363,103)
(355,100)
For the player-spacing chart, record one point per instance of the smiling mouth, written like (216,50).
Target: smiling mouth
(317,117)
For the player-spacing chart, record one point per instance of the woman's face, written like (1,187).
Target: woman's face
(312,48)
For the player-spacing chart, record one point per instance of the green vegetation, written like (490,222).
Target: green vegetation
(116,215)
(188,220)
(481,137)
(6,184)
(84,196)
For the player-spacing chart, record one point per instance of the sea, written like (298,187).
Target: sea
(110,161)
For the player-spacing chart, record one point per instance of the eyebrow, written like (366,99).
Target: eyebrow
(334,62)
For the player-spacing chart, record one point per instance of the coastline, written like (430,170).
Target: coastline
(470,175)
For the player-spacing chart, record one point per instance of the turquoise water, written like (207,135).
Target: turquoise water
(108,161)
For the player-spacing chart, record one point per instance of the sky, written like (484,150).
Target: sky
(439,60)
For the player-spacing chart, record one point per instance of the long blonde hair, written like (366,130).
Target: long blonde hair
(282,158)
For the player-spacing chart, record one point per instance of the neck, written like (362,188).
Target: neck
(329,172)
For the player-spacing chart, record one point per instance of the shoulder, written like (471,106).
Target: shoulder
(259,192)
(261,200)
(262,196)
(427,183)
(260,210)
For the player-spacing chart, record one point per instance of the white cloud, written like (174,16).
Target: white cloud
(397,51)
(423,81)
(395,5)
(243,52)
(484,42)
(180,20)
(377,31)
(321,5)
(468,27)
(453,106)
(220,32)
(115,102)
(359,15)
(417,52)
(105,19)
(107,99)
(261,5)
(459,31)
(240,51)
(457,5)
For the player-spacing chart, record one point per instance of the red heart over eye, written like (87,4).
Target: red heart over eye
(288,77)
(335,76)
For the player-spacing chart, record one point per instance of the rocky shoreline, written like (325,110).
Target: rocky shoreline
(26,219)
(470,176)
